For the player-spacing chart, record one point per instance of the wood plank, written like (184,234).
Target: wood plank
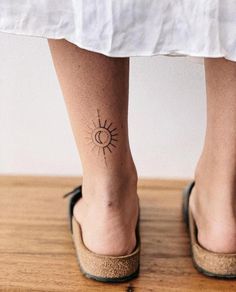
(37,252)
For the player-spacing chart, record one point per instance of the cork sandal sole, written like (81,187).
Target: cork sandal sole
(102,268)
(212,264)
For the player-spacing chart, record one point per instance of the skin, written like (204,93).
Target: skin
(213,201)
(95,88)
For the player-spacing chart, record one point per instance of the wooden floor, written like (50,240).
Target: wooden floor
(37,252)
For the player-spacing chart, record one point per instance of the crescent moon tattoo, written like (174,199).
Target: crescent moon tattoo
(102,136)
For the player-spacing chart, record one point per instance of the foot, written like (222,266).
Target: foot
(215,217)
(108,226)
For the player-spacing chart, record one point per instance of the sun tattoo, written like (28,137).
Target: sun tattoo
(102,136)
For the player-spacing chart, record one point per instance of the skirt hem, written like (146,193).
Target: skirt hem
(122,53)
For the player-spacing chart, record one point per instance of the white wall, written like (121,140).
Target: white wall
(167,113)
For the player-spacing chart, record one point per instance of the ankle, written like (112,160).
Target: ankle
(112,203)
(215,219)
(215,181)
(217,169)
(112,189)
(220,198)
(214,212)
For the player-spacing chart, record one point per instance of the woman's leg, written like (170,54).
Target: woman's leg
(95,88)
(213,201)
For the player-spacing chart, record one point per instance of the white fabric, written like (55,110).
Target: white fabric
(122,28)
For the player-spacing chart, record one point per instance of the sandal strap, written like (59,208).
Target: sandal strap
(75,191)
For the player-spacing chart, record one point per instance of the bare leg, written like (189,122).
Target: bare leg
(213,201)
(95,88)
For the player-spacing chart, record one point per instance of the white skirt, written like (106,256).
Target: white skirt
(126,28)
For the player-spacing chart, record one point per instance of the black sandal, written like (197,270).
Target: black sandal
(219,265)
(101,267)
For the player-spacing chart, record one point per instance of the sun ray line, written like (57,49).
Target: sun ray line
(94,124)
(108,148)
(90,142)
(99,121)
(109,126)
(104,155)
(105,160)
(93,147)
